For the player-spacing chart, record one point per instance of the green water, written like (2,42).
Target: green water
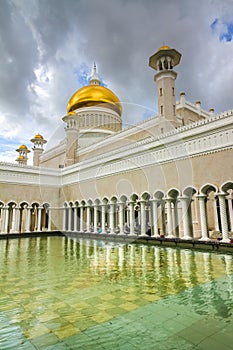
(57,293)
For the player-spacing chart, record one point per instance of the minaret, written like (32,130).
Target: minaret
(22,158)
(163,61)
(38,142)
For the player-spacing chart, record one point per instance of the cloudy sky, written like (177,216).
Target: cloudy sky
(47,50)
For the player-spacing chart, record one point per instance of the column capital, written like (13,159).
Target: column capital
(221,194)
(201,196)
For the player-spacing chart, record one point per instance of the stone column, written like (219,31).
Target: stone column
(6,219)
(203,217)
(121,218)
(28,220)
(185,211)
(3,214)
(39,218)
(95,219)
(103,218)
(49,213)
(75,218)
(88,218)
(64,219)
(176,218)
(81,218)
(223,216)
(69,218)
(12,228)
(216,223)
(143,218)
(230,212)
(169,218)
(155,229)
(131,218)
(111,217)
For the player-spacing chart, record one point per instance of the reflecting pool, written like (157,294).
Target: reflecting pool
(59,293)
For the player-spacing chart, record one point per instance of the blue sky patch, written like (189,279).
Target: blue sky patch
(84,73)
(223,29)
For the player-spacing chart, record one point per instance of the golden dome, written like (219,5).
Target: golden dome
(94,95)
(21,158)
(22,147)
(38,136)
(164,47)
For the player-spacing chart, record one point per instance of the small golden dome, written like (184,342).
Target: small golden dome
(21,158)
(23,147)
(94,95)
(164,47)
(38,136)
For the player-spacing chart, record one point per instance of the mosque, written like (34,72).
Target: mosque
(169,175)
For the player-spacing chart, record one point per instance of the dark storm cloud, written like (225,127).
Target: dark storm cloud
(18,54)
(45,43)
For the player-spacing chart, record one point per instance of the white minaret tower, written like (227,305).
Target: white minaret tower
(22,158)
(38,142)
(163,61)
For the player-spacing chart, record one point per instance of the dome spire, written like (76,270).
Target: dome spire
(94,78)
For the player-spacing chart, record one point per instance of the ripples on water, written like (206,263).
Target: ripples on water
(58,284)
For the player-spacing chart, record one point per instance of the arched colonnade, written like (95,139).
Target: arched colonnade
(185,214)
(24,217)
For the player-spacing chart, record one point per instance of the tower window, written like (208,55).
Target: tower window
(174,110)
(160,92)
(173,91)
(161,110)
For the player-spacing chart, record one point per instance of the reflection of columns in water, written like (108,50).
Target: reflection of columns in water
(203,217)
(207,265)
(87,245)
(131,256)
(108,260)
(121,257)
(223,216)
(81,249)
(229,273)
(143,257)
(95,256)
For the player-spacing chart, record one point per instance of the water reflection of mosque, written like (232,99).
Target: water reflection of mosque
(162,271)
